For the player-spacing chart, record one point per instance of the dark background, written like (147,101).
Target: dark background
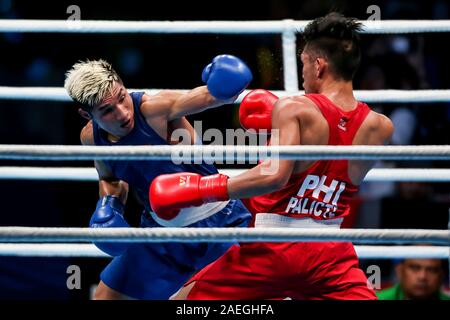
(418,61)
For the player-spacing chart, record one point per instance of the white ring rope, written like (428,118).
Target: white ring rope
(228,153)
(90,251)
(214,27)
(369,96)
(32,234)
(402,252)
(287,28)
(90,174)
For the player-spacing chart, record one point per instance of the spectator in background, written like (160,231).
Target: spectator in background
(418,279)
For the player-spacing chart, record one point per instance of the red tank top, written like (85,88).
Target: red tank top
(324,190)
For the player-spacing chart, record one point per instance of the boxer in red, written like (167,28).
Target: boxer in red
(299,194)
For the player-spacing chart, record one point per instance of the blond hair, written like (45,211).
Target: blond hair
(88,82)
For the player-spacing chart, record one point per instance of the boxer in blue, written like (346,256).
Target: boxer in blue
(116,117)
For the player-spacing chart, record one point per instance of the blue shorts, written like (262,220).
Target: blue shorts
(157,270)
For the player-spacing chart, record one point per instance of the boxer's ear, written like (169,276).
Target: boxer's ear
(321,64)
(84,114)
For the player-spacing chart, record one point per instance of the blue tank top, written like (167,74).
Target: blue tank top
(140,174)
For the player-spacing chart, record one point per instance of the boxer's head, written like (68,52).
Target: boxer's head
(330,49)
(103,98)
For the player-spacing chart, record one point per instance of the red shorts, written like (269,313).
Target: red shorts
(305,270)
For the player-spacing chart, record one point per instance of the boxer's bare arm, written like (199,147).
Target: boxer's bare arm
(377,129)
(170,105)
(272,175)
(108,183)
(159,115)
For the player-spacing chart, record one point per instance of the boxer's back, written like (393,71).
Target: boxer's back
(322,189)
(325,123)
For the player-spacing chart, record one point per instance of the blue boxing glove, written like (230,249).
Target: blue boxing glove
(109,214)
(226,76)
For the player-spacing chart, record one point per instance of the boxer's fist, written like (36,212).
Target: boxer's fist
(169,193)
(255,111)
(226,76)
(109,214)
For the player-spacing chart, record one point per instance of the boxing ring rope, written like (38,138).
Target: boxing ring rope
(139,235)
(223,27)
(53,250)
(369,96)
(288,30)
(228,153)
(89,250)
(90,174)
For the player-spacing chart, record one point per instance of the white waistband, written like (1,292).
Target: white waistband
(272,220)
(191,215)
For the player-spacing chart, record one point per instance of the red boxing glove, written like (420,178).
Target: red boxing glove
(169,193)
(255,111)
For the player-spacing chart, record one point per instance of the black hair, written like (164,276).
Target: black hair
(335,37)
